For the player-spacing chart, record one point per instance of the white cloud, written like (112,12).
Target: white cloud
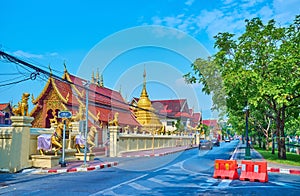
(285,11)
(21,53)
(230,16)
(189,2)
(53,54)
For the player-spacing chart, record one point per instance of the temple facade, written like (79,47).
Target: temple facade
(103,104)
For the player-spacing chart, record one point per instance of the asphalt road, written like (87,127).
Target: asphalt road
(186,173)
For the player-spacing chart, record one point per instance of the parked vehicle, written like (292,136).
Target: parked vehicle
(215,142)
(205,144)
(227,139)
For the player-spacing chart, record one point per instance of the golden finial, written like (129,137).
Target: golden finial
(32,98)
(97,76)
(65,66)
(67,97)
(50,69)
(93,78)
(101,81)
(98,115)
(144,75)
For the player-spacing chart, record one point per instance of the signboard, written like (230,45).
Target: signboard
(64,114)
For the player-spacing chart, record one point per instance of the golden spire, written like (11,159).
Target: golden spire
(144,91)
(101,81)
(93,78)
(144,113)
(97,77)
(144,101)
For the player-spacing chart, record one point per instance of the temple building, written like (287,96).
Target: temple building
(5,114)
(145,113)
(103,104)
(164,113)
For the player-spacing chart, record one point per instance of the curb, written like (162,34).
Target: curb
(77,169)
(284,171)
(271,169)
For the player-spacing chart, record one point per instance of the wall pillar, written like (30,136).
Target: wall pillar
(19,154)
(113,140)
(197,138)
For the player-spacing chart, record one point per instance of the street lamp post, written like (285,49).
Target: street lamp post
(247,149)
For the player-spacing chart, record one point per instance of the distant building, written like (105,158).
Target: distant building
(214,127)
(5,114)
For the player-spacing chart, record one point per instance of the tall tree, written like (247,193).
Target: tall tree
(260,66)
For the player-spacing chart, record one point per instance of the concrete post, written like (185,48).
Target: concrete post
(20,143)
(113,136)
(197,138)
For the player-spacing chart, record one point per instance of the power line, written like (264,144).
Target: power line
(38,70)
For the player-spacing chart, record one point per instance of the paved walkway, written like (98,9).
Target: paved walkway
(104,162)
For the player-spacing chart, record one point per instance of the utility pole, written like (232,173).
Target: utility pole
(86,120)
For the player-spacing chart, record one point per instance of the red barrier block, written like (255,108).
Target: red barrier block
(226,169)
(246,170)
(260,172)
(294,171)
(254,171)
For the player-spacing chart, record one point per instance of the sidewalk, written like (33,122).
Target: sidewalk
(105,162)
(239,155)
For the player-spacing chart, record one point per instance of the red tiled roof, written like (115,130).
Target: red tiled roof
(3,106)
(210,123)
(107,102)
(174,107)
(182,114)
(125,116)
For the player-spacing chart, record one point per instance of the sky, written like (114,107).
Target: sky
(120,39)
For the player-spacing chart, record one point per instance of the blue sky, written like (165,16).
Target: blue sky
(120,38)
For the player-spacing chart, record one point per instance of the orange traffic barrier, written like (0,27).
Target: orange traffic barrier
(254,171)
(246,170)
(226,169)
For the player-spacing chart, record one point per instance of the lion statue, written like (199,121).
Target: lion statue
(114,122)
(22,109)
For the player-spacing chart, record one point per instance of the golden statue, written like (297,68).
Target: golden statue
(90,140)
(114,122)
(160,130)
(56,139)
(79,115)
(22,109)
(54,119)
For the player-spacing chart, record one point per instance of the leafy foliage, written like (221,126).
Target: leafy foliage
(259,69)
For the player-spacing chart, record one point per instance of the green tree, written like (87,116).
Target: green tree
(261,67)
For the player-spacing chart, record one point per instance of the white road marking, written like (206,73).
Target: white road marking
(167,184)
(138,186)
(118,185)
(224,183)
